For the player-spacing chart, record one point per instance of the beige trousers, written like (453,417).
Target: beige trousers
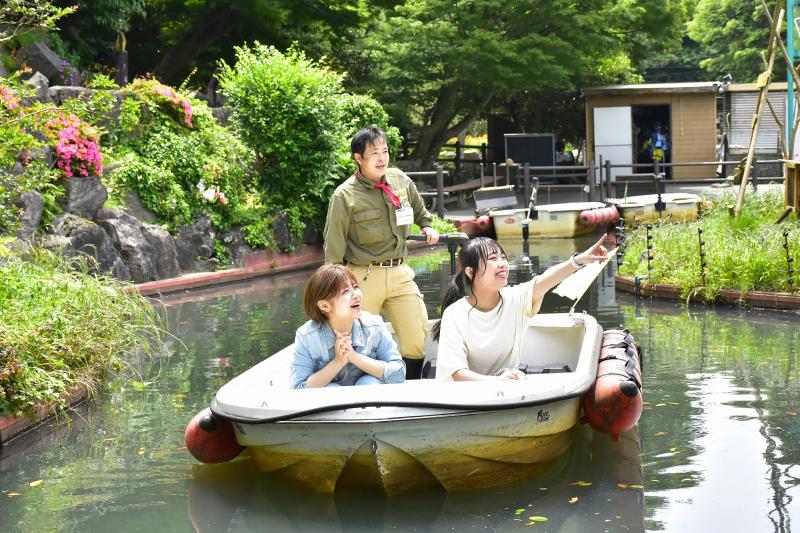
(391,291)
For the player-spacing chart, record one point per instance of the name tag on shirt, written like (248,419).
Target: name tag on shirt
(404,215)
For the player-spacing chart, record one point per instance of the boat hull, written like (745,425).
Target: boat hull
(458,452)
(420,433)
(550,221)
(678,207)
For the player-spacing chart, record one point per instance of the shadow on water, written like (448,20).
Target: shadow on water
(595,486)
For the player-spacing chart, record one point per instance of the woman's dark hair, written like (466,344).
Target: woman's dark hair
(365,137)
(324,284)
(474,254)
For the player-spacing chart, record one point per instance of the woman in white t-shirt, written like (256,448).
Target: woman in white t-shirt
(483,319)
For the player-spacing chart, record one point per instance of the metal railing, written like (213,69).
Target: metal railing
(598,182)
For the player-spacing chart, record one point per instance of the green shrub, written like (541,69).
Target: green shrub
(288,111)
(19,143)
(178,159)
(69,327)
(743,254)
(359,111)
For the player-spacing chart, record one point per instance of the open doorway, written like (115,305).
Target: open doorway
(652,135)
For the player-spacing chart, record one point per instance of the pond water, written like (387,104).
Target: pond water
(716,449)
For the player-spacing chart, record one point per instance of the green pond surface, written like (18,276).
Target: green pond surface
(716,448)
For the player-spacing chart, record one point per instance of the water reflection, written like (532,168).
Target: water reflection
(720,424)
(595,486)
(720,433)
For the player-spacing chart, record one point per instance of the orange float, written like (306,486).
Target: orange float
(600,216)
(614,403)
(211,439)
(480,226)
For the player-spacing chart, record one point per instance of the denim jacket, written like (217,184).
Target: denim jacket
(314,348)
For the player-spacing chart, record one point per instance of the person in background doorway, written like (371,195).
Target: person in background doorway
(563,158)
(369,218)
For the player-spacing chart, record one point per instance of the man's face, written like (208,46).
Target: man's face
(374,161)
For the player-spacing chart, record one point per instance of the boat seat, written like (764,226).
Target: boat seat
(552,368)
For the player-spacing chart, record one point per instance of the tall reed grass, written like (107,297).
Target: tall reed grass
(61,326)
(743,254)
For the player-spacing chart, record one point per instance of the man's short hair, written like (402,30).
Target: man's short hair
(365,137)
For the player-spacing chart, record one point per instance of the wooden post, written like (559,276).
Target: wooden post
(526,181)
(591,182)
(763,84)
(440,190)
(795,77)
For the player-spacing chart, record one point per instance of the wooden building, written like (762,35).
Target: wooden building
(738,107)
(621,118)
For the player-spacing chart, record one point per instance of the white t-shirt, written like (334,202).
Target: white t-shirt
(485,342)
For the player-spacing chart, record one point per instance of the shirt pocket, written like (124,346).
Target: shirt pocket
(370,226)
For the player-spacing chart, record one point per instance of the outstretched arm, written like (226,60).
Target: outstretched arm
(558,273)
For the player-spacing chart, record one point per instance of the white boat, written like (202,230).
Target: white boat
(678,207)
(422,433)
(546,221)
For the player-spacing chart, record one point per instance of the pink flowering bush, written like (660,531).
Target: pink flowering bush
(77,146)
(9,100)
(166,97)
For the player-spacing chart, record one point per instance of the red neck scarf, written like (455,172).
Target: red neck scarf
(388,190)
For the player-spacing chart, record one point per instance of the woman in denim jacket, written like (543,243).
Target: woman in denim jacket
(341,344)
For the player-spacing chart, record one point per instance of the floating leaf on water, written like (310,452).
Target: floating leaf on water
(660,404)
(637,486)
(181,395)
(791,413)
(581,483)
(573,499)
(661,433)
(284,321)
(12,494)
(543,488)
(36,483)
(622,485)
(519,511)
(537,518)
(141,451)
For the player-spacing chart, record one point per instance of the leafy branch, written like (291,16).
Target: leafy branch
(18,17)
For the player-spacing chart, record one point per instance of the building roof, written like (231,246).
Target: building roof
(753,87)
(654,88)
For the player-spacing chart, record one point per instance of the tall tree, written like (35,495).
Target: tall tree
(438,63)
(732,35)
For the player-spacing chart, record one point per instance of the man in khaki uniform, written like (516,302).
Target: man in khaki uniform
(369,218)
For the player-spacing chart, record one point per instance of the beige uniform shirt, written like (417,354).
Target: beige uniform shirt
(362,226)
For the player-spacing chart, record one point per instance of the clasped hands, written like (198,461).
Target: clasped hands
(343,349)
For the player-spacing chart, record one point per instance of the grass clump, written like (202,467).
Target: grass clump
(743,254)
(62,327)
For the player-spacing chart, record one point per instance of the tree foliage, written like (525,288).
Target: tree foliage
(732,34)
(438,65)
(18,17)
(297,117)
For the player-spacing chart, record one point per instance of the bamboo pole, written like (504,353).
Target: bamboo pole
(795,77)
(763,84)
